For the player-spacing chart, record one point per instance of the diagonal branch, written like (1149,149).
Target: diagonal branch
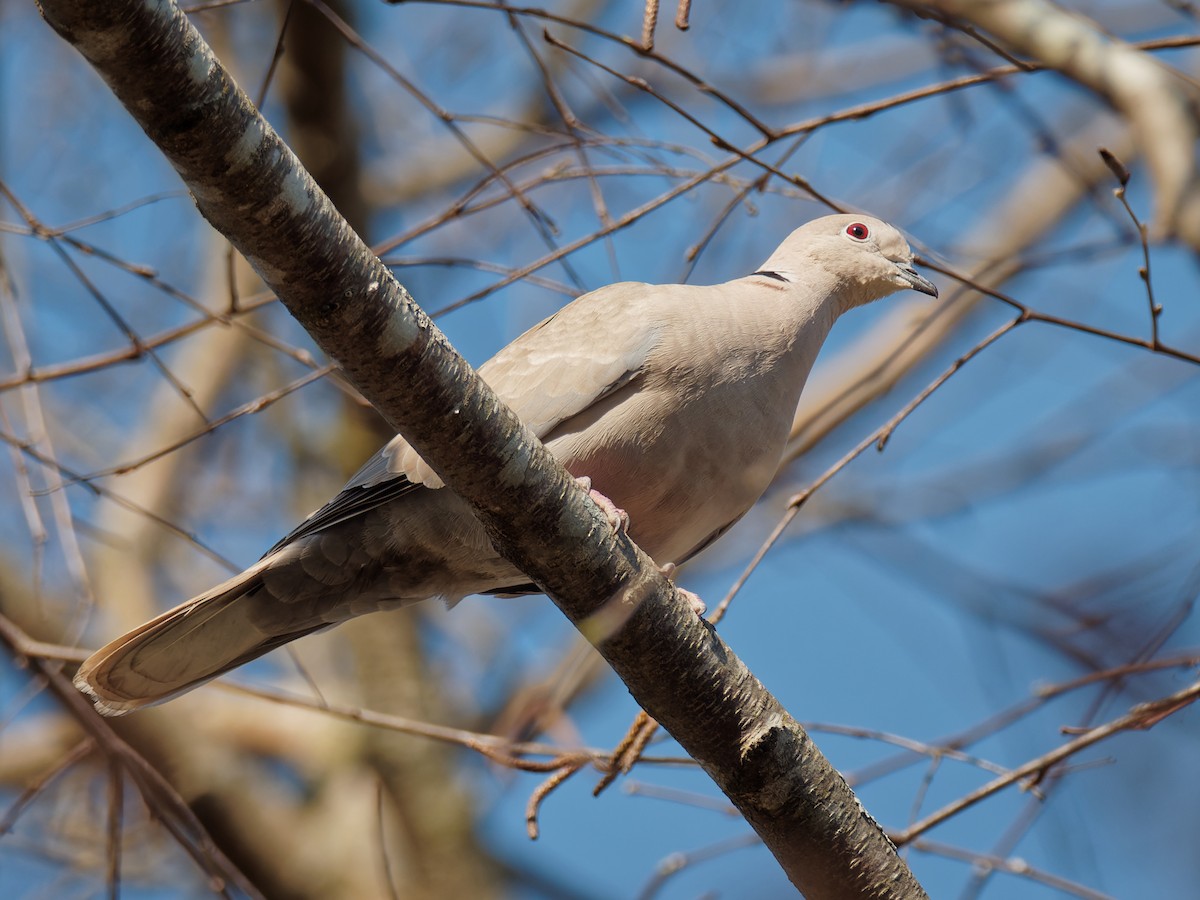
(1161,105)
(250,186)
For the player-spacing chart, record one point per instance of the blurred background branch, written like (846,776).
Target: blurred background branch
(1033,522)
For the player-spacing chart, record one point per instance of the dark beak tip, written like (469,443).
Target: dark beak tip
(916,281)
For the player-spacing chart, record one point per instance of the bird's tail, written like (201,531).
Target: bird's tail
(186,646)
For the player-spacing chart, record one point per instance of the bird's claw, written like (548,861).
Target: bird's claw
(619,520)
(698,606)
(617,517)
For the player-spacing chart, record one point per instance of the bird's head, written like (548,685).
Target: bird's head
(866,258)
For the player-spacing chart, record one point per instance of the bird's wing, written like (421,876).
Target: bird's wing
(577,357)
(353,500)
(583,353)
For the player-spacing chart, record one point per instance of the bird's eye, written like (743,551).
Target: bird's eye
(858,231)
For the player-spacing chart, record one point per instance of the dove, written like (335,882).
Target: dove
(671,402)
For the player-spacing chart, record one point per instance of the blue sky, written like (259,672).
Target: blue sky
(1033,521)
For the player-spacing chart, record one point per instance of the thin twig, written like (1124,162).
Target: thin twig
(1122,175)
(1144,715)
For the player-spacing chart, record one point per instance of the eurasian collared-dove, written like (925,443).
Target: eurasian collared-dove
(675,400)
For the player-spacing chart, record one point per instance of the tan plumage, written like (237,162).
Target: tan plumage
(675,400)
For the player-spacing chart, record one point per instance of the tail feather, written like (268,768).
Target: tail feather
(185,647)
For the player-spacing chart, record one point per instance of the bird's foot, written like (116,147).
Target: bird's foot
(617,517)
(694,601)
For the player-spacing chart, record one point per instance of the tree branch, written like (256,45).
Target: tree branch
(250,186)
(1159,103)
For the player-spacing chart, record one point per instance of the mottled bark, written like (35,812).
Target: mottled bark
(249,185)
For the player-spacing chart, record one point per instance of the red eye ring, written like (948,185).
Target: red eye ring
(858,231)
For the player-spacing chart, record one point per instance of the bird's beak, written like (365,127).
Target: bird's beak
(915,281)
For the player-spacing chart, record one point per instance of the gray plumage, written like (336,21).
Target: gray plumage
(675,400)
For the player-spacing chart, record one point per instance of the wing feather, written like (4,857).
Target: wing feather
(582,354)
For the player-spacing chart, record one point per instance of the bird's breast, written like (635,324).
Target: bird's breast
(682,464)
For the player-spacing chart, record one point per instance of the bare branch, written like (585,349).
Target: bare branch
(260,197)
(1159,103)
